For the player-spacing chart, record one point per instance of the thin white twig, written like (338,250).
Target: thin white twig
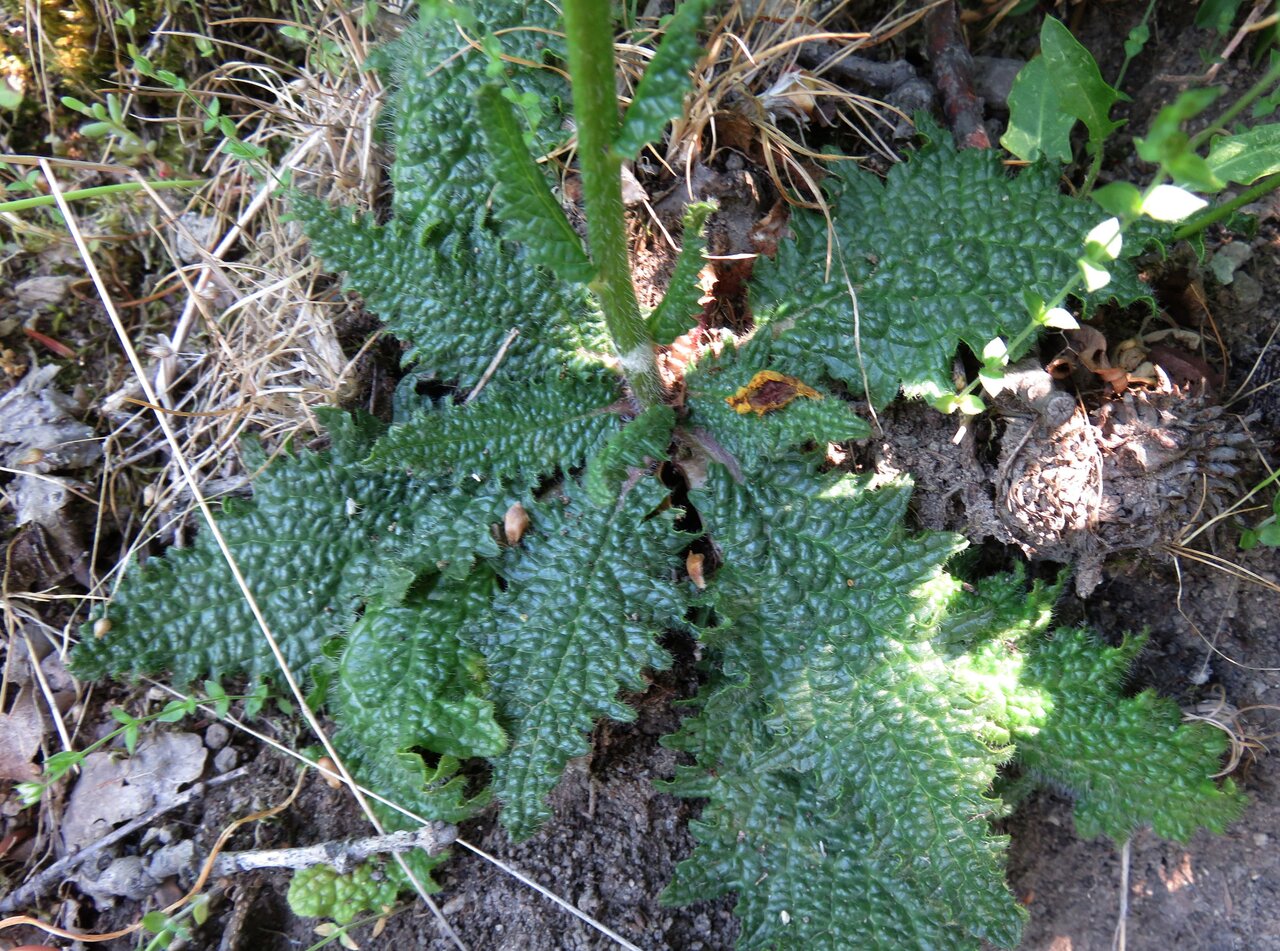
(492,368)
(1120,937)
(343,856)
(547,893)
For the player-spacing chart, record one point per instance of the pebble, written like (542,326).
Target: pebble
(1227,260)
(41,293)
(1248,292)
(216,736)
(226,759)
(1260,839)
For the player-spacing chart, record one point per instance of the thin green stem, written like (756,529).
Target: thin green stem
(595,108)
(1237,107)
(98,191)
(1124,67)
(1218,212)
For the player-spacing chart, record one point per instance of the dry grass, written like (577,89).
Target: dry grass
(751,76)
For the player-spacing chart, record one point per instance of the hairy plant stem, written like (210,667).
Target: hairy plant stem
(595,108)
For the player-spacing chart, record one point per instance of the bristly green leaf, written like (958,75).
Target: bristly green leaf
(1038,125)
(835,715)
(920,290)
(641,442)
(660,95)
(454,302)
(406,680)
(678,308)
(406,683)
(520,433)
(1080,88)
(442,173)
(526,205)
(588,593)
(1130,763)
(756,441)
(318,536)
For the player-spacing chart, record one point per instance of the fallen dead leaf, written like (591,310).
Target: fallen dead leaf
(113,789)
(22,731)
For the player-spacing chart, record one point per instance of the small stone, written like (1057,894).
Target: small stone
(1227,260)
(1248,292)
(216,736)
(194,239)
(226,760)
(1260,839)
(41,293)
(993,77)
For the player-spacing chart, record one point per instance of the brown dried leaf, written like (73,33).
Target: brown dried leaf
(22,730)
(769,390)
(694,564)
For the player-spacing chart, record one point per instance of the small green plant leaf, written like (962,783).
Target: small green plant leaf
(1120,199)
(660,95)
(675,314)
(519,433)
(1169,146)
(1137,40)
(1246,157)
(1217,14)
(526,205)
(1038,124)
(1080,88)
(640,443)
(321,891)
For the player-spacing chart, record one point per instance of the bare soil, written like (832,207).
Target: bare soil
(616,836)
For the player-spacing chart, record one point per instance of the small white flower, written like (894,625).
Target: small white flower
(1060,318)
(1095,278)
(1171,203)
(1107,237)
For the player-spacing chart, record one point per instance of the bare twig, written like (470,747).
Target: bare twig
(492,368)
(1118,941)
(953,74)
(344,855)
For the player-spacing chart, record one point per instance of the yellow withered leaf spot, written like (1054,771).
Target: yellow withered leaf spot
(769,390)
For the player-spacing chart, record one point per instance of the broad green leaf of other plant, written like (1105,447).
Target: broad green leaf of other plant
(1038,125)
(1246,157)
(1080,88)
